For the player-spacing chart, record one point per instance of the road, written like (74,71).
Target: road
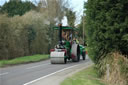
(22,74)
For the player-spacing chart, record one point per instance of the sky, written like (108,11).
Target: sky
(76,5)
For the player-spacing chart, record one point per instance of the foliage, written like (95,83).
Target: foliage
(123,65)
(5,36)
(53,11)
(71,17)
(81,26)
(118,66)
(31,33)
(106,27)
(17,7)
(23,35)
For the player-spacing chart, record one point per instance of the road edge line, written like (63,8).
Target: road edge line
(49,74)
(4,73)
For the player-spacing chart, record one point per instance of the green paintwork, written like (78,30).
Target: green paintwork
(65,56)
(66,28)
(82,48)
(67,44)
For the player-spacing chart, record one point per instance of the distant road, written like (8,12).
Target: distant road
(22,74)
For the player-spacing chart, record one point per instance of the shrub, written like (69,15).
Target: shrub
(106,27)
(118,69)
(23,35)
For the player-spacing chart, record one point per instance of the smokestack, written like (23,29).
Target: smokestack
(60,33)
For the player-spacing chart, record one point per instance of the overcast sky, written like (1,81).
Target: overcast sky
(76,5)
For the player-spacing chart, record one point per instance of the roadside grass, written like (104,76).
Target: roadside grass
(85,77)
(22,60)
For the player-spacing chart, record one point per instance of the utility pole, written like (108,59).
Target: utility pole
(83,27)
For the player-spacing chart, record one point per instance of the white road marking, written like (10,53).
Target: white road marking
(3,73)
(49,75)
(37,66)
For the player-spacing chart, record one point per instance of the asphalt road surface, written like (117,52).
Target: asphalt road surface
(22,74)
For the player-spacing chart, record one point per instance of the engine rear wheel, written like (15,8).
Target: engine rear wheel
(83,55)
(75,52)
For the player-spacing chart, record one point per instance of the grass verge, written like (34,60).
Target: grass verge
(85,77)
(22,60)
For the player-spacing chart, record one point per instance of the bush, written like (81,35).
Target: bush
(38,30)
(118,68)
(4,36)
(106,27)
(23,35)
(123,62)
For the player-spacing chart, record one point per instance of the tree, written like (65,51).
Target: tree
(106,27)
(17,7)
(54,12)
(30,33)
(70,17)
(0,8)
(53,9)
(80,26)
